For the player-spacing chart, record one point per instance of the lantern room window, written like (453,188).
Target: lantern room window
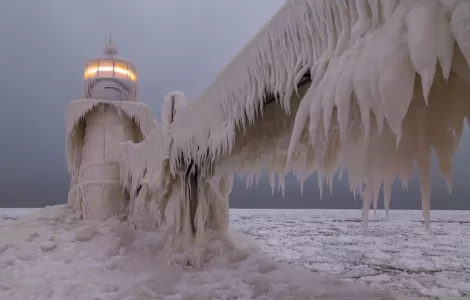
(109,69)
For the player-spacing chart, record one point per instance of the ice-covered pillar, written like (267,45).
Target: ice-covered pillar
(174,101)
(108,115)
(197,201)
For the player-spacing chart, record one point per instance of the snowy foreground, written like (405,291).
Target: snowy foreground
(50,255)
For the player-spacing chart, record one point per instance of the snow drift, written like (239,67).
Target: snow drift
(51,254)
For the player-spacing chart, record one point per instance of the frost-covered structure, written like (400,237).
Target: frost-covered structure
(108,113)
(367,87)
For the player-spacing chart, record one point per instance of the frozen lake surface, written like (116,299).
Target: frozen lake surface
(398,254)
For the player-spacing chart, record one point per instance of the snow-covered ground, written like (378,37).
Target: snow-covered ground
(50,255)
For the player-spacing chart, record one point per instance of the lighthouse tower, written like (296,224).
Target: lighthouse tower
(108,114)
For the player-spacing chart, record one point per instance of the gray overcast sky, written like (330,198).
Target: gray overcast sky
(175,45)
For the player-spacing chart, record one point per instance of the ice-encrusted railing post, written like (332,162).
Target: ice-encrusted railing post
(196,213)
(191,178)
(191,175)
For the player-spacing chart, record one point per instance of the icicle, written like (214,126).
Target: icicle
(420,22)
(364,22)
(367,199)
(375,202)
(343,39)
(299,123)
(320,185)
(460,29)
(388,8)
(375,9)
(387,185)
(272,181)
(343,95)
(396,84)
(426,199)
(328,96)
(282,184)
(330,183)
(315,118)
(444,43)
(424,163)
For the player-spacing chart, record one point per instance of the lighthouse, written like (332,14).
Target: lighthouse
(108,114)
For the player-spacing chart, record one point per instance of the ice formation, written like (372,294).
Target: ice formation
(367,87)
(163,197)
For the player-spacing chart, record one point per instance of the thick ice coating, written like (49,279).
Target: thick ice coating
(368,87)
(95,129)
(390,85)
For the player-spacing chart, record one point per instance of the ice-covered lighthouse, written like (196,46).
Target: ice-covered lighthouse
(109,113)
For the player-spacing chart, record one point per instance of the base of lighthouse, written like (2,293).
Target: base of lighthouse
(96,191)
(97,200)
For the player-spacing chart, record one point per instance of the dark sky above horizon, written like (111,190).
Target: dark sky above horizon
(175,45)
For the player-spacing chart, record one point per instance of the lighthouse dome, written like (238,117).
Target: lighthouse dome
(110,50)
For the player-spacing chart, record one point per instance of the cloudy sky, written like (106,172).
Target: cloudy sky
(175,45)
